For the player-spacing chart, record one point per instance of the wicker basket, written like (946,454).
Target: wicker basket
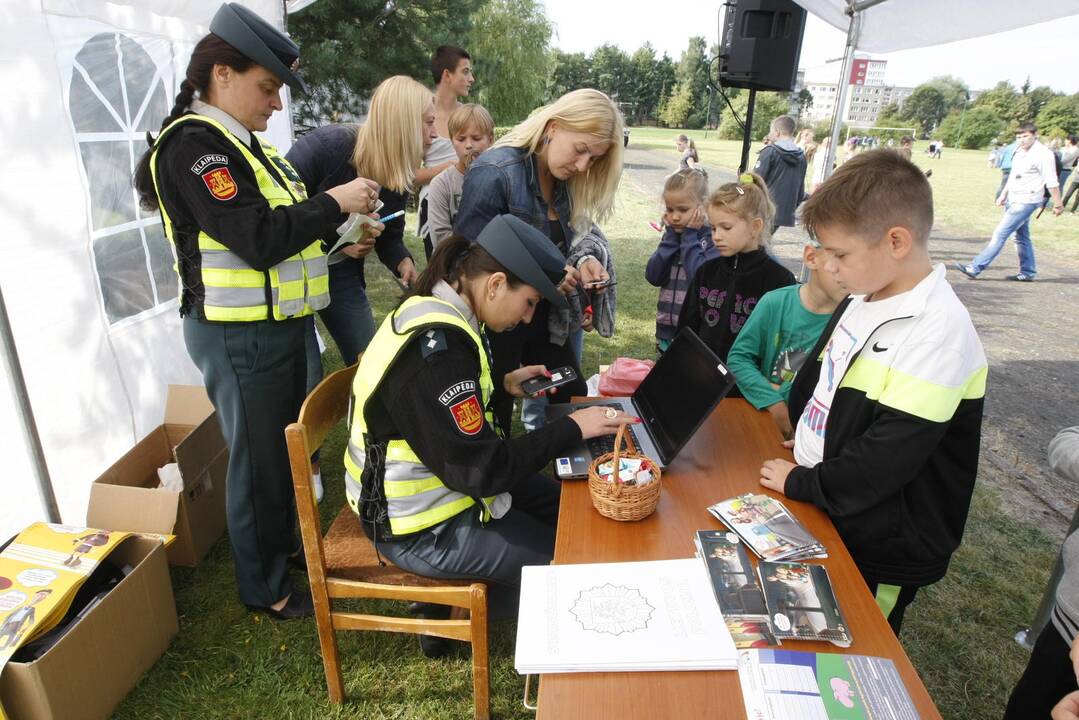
(617,500)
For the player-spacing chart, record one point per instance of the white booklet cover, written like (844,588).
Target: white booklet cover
(659,615)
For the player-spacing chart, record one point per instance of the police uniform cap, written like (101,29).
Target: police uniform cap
(260,41)
(527,253)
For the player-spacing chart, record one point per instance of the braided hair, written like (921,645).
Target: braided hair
(210,50)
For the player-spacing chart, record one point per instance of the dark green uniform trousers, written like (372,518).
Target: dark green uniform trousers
(255,374)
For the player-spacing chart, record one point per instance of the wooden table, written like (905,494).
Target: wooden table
(721,461)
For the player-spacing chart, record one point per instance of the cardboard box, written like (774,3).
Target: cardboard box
(127,496)
(89,671)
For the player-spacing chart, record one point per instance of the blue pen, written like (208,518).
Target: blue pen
(391,216)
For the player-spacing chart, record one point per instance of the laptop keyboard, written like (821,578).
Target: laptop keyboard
(605,443)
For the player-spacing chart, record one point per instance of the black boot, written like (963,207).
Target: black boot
(431,646)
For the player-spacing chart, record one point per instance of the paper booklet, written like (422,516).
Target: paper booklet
(615,617)
(790,685)
(351,229)
(768,528)
(735,586)
(801,603)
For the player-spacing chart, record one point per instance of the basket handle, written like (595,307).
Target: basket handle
(619,436)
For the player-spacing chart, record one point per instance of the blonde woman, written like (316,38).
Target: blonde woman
(388,148)
(558,171)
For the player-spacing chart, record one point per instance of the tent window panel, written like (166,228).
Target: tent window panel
(98,57)
(121,267)
(162,263)
(108,169)
(87,112)
(156,111)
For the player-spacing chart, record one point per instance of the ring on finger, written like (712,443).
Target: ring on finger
(611,413)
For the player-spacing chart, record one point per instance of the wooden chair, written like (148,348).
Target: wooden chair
(344,563)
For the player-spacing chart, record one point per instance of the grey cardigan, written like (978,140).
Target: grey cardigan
(561,322)
(1064,459)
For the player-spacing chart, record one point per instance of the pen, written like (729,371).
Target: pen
(391,216)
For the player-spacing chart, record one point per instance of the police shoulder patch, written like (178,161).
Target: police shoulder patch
(464,407)
(220,183)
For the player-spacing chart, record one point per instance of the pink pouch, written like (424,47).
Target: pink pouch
(623,376)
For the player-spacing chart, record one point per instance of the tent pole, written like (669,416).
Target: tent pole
(844,81)
(13,370)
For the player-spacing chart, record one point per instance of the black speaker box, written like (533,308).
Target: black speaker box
(760,42)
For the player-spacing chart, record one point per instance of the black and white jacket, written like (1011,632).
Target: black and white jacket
(903,435)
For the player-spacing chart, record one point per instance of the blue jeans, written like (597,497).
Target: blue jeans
(1016,220)
(348,317)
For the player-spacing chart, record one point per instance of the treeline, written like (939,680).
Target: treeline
(349,46)
(942,109)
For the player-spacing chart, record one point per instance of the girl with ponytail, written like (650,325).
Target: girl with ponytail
(251,269)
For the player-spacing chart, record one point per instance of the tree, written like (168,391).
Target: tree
(568,71)
(679,106)
(1059,117)
(349,46)
(971,129)
(610,72)
(508,45)
(692,72)
(768,106)
(925,108)
(1006,102)
(645,83)
(954,91)
(1036,100)
(804,100)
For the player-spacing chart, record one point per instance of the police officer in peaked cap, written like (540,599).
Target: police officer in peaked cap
(252,270)
(437,485)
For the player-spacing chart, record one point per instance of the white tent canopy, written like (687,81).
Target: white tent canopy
(890,25)
(86,276)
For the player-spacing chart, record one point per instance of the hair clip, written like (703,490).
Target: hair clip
(739,190)
(745,179)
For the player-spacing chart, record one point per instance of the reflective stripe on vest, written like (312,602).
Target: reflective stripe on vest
(233,290)
(416,499)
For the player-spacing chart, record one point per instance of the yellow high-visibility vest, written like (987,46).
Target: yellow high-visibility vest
(416,499)
(235,291)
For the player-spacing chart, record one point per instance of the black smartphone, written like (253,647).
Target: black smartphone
(600,285)
(561,376)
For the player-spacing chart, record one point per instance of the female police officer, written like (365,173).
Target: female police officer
(251,268)
(438,487)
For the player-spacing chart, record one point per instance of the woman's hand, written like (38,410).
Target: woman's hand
(598,421)
(571,281)
(359,195)
(366,243)
(593,273)
(512,381)
(407,270)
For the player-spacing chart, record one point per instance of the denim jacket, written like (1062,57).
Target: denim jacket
(506,180)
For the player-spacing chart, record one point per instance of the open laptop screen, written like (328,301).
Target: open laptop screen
(681,391)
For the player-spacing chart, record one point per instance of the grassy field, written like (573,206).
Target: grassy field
(227,663)
(963,187)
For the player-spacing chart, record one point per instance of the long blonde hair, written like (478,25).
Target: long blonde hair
(585,111)
(389,146)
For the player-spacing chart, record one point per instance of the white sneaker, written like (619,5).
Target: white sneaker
(316,485)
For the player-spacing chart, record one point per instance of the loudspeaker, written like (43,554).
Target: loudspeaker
(760,42)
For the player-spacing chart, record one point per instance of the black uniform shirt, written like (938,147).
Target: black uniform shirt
(205,183)
(430,397)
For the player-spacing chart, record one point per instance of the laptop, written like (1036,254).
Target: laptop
(672,401)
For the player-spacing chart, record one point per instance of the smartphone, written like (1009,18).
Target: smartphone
(600,285)
(561,376)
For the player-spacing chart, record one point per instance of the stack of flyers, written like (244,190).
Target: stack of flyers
(733,581)
(768,528)
(801,603)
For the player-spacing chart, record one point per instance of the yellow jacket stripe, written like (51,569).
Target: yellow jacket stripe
(234,291)
(416,499)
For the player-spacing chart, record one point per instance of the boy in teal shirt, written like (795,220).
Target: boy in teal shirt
(778,335)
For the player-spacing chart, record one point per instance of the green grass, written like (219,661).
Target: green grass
(227,663)
(963,186)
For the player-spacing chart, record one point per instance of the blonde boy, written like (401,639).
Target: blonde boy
(777,338)
(472,131)
(888,409)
